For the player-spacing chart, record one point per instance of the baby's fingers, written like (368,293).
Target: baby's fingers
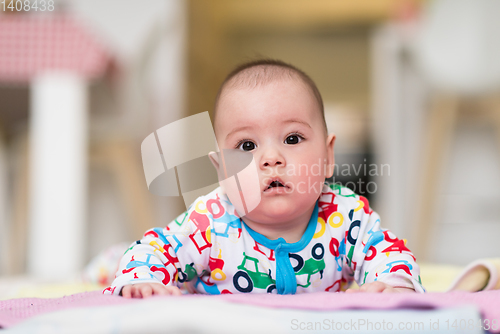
(352,291)
(373,287)
(146,290)
(126,291)
(159,289)
(173,290)
(136,291)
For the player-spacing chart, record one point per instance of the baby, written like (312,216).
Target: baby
(303,236)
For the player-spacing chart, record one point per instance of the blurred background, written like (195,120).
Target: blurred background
(410,88)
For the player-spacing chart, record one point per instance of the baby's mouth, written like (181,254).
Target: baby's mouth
(276,184)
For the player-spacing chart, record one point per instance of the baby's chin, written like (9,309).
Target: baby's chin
(277,209)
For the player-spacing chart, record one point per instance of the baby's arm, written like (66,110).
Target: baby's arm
(144,265)
(376,258)
(154,265)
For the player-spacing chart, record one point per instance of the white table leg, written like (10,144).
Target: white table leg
(58,175)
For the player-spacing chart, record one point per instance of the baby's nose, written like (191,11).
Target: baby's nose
(272,163)
(272,158)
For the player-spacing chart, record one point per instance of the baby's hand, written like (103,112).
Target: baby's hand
(378,287)
(145,290)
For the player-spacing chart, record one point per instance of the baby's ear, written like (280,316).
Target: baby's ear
(214,158)
(330,141)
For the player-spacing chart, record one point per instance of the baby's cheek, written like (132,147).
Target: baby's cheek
(309,184)
(243,188)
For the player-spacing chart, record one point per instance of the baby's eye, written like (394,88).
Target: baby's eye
(293,139)
(246,146)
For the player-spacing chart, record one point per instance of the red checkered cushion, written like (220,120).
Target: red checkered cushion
(31,44)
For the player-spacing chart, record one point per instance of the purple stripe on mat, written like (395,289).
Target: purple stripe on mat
(16,310)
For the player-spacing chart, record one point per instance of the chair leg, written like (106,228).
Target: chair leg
(4,206)
(441,124)
(492,104)
(19,236)
(120,159)
(134,188)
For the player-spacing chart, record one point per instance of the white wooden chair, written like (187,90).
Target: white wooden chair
(457,49)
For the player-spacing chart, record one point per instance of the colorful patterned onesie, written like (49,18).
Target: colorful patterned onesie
(209,249)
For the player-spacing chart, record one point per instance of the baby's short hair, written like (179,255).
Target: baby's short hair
(263,71)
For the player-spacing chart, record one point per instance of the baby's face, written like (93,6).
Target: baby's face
(280,124)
